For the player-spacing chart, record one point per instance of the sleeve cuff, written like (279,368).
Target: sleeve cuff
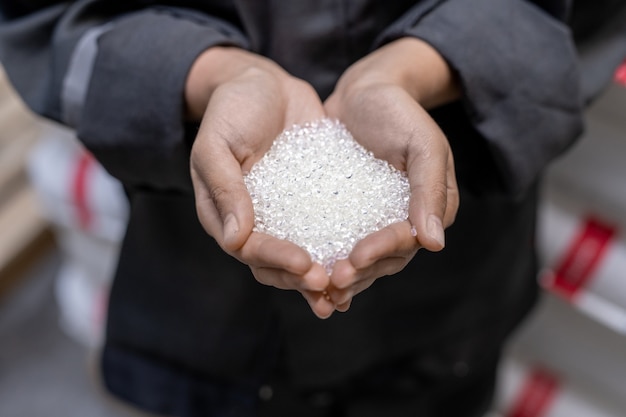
(519,72)
(133,115)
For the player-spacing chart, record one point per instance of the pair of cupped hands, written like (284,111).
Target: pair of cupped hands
(244,101)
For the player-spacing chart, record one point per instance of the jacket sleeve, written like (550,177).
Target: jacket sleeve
(518,68)
(115,72)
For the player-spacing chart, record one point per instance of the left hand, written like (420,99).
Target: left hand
(245,101)
(381,99)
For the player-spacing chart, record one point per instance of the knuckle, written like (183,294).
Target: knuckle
(439,193)
(425,144)
(218,192)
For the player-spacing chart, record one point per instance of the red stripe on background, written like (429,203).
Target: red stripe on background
(80,189)
(536,396)
(620,74)
(582,258)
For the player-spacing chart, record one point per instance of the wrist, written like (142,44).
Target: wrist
(201,81)
(408,63)
(214,67)
(424,73)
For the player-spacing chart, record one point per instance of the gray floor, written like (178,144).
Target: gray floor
(42,371)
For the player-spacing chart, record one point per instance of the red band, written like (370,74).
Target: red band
(79,190)
(582,258)
(536,396)
(620,74)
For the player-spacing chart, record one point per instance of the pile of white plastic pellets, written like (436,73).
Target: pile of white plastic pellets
(320,189)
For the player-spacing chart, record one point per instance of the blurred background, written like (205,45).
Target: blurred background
(62,219)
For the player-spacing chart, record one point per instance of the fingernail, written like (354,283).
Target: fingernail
(435,229)
(231,227)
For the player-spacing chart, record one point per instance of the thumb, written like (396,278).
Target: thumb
(222,199)
(428,176)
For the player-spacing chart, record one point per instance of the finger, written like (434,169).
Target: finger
(384,267)
(321,307)
(344,274)
(353,282)
(393,240)
(277,278)
(317,300)
(382,253)
(343,296)
(315,280)
(343,277)
(266,251)
(261,250)
(342,308)
(215,166)
(453,194)
(427,166)
(207,212)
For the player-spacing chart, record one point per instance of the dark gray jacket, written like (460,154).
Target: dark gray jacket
(183,309)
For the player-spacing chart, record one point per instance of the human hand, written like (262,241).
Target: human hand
(381,99)
(245,101)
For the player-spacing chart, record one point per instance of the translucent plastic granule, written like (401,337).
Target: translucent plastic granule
(320,189)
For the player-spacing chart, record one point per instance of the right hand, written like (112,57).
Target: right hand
(245,101)
(382,100)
